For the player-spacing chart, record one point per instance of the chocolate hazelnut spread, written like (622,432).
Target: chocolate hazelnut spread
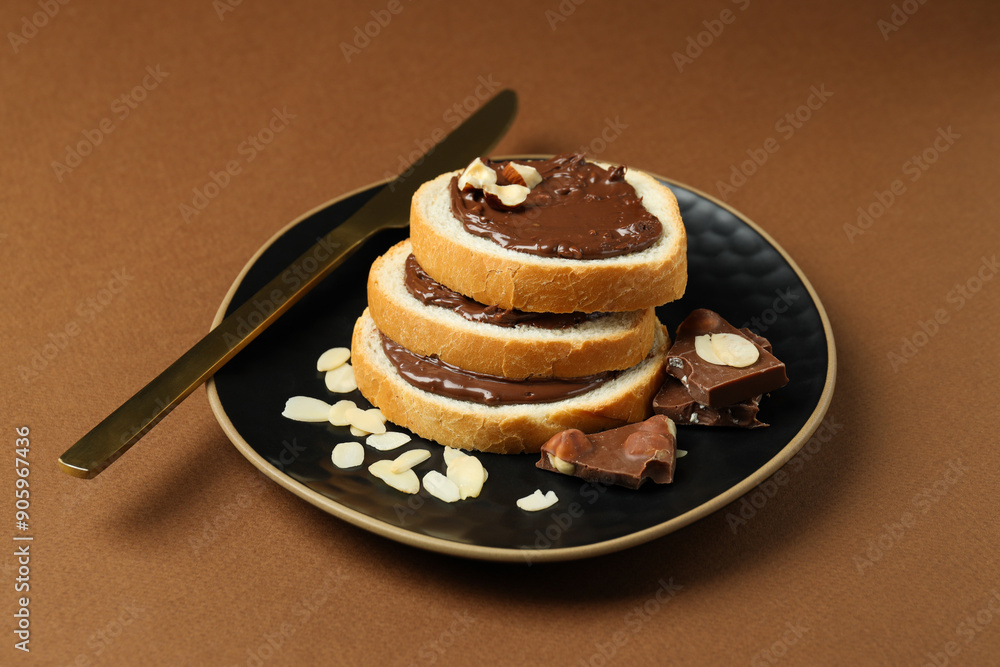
(579,211)
(429,292)
(437,377)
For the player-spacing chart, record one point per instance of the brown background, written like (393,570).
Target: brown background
(117,574)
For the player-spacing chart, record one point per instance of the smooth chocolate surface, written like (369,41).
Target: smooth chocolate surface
(675,402)
(626,456)
(578,211)
(714,385)
(432,293)
(433,375)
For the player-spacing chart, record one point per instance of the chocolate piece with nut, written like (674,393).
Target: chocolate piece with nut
(626,456)
(674,401)
(720,365)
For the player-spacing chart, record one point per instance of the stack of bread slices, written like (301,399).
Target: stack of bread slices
(450,345)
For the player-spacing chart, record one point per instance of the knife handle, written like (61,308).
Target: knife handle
(125,426)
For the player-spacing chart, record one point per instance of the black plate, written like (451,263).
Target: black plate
(734,268)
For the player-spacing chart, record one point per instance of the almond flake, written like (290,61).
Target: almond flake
(364,420)
(341,379)
(441,487)
(332,358)
(337,410)
(348,455)
(409,459)
(407,482)
(387,441)
(306,409)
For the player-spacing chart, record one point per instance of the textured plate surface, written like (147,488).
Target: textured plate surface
(734,268)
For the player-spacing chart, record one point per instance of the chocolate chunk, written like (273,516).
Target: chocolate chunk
(626,456)
(674,401)
(717,385)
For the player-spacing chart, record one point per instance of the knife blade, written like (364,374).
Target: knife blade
(388,209)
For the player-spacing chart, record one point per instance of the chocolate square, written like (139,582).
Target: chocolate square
(714,385)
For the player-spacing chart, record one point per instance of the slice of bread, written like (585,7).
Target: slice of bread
(479,268)
(504,429)
(610,342)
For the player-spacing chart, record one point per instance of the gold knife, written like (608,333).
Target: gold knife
(388,209)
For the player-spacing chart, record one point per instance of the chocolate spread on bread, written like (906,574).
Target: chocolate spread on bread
(579,211)
(429,292)
(437,377)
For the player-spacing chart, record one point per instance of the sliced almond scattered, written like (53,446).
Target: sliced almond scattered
(469,475)
(341,379)
(358,433)
(377,413)
(441,487)
(451,453)
(306,409)
(537,501)
(337,410)
(333,358)
(477,175)
(680,453)
(522,174)
(348,455)
(407,482)
(387,441)
(703,346)
(565,467)
(735,350)
(409,459)
(364,420)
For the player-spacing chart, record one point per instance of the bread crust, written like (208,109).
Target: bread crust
(513,352)
(508,429)
(495,275)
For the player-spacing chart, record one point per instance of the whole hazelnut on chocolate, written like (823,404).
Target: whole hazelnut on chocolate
(647,444)
(568,445)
